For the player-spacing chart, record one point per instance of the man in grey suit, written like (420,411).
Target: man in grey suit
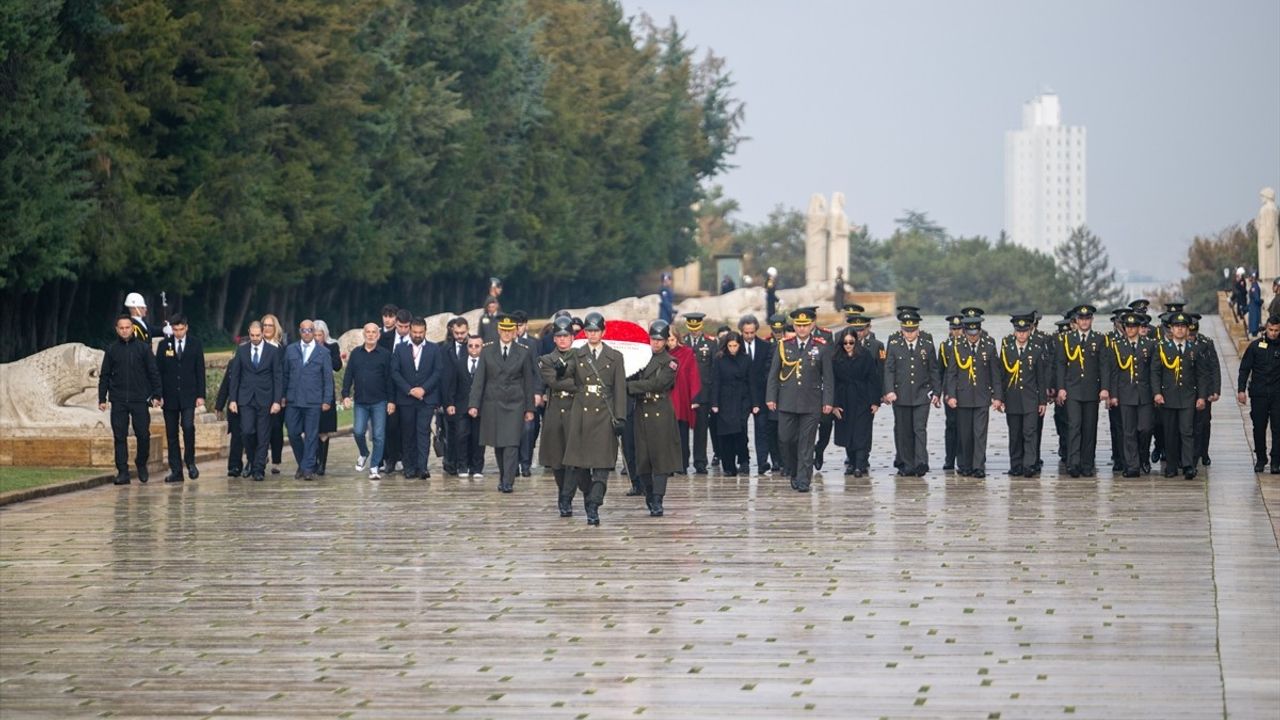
(911,384)
(801,389)
(256,390)
(502,397)
(308,390)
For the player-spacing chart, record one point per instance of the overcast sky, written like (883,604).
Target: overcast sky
(905,105)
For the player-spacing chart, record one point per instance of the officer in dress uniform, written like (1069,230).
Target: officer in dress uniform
(553,369)
(1130,359)
(1204,418)
(137,309)
(704,353)
(657,437)
(955,331)
(911,383)
(972,388)
(502,398)
(1021,375)
(1180,384)
(801,390)
(1259,385)
(1062,327)
(1158,334)
(1081,385)
(600,392)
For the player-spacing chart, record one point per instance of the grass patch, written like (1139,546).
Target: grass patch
(20,478)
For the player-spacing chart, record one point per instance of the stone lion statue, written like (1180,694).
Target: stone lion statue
(54,388)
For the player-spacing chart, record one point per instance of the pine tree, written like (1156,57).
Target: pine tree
(1085,266)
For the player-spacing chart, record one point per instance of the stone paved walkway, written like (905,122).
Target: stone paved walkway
(940,597)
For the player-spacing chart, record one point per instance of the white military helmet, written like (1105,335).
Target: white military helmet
(772,271)
(134,300)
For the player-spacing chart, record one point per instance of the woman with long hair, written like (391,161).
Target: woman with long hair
(731,395)
(273,332)
(328,418)
(858,386)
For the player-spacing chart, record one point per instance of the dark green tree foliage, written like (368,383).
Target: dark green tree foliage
(1208,257)
(777,242)
(322,157)
(1084,262)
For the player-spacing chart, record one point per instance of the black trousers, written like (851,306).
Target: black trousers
(391,453)
(775,448)
(1060,425)
(471,452)
(824,435)
(122,414)
(701,428)
(184,418)
(858,454)
(910,435)
(733,449)
(1203,427)
(444,427)
(415,436)
(761,426)
(255,430)
(972,425)
(592,482)
(684,442)
(1114,424)
(530,438)
(1136,424)
(1082,433)
(277,437)
(1264,410)
(629,442)
(1179,437)
(1024,446)
(797,435)
(951,439)
(507,465)
(235,453)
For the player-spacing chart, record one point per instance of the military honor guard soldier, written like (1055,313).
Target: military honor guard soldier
(600,391)
(801,389)
(553,369)
(1259,385)
(951,435)
(657,437)
(911,384)
(1180,384)
(1204,418)
(972,388)
(1081,386)
(1130,393)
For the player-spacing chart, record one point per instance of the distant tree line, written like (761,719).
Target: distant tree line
(317,157)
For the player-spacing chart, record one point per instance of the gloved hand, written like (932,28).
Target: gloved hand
(618,426)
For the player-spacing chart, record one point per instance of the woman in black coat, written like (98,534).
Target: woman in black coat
(858,386)
(328,418)
(731,395)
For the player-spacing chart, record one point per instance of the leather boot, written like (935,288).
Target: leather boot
(322,456)
(655,509)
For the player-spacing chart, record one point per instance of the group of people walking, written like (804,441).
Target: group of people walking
(792,394)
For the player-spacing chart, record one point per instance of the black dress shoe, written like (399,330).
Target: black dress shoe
(1073,471)
(426,475)
(1117,466)
(248,472)
(1130,473)
(922,470)
(1170,473)
(817,463)
(192,471)
(235,472)
(1189,472)
(905,473)
(173,477)
(1146,468)
(979,474)
(1207,462)
(122,479)
(949,466)
(802,488)
(1259,466)
(259,477)
(857,473)
(700,471)
(1089,471)
(1030,473)
(308,477)
(1016,471)
(143,475)
(297,474)
(1156,456)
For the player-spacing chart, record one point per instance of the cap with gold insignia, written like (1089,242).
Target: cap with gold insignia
(1022,322)
(972,312)
(506,322)
(1062,324)
(803,316)
(1132,319)
(778,323)
(1179,318)
(909,320)
(857,321)
(1175,306)
(1140,305)
(954,321)
(521,317)
(972,324)
(1085,311)
(851,308)
(693,320)
(593,321)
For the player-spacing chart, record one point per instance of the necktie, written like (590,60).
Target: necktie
(473,366)
(595,353)
(180,344)
(751,351)
(504,352)
(801,346)
(255,356)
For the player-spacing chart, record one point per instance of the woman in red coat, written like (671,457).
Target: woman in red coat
(688,385)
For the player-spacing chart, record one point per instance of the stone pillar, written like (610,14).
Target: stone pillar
(816,241)
(838,238)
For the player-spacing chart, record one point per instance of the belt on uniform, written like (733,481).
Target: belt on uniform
(593,389)
(652,397)
(563,394)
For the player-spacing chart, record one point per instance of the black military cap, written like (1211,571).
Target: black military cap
(1175,306)
(1062,324)
(594,321)
(562,325)
(694,320)
(1085,311)
(850,308)
(1036,316)
(857,320)
(521,317)
(972,324)
(659,330)
(1022,322)
(908,309)
(506,322)
(972,311)
(1117,312)
(953,321)
(1179,318)
(777,322)
(1141,304)
(577,321)
(804,315)
(909,320)
(1132,319)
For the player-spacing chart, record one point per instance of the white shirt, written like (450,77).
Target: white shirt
(306,352)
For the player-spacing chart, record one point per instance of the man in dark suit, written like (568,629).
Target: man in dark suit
(416,372)
(387,334)
(534,426)
(392,341)
(235,451)
(452,348)
(182,381)
(502,397)
(308,391)
(257,387)
(758,351)
(466,452)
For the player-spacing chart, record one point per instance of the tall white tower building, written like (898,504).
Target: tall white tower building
(1044,177)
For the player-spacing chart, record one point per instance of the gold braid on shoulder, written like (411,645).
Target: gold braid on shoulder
(789,367)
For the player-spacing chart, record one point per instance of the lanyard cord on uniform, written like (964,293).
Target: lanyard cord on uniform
(1175,366)
(1015,372)
(973,376)
(1077,356)
(791,367)
(1125,364)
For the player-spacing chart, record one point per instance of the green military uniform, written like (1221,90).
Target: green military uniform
(1180,378)
(553,369)
(911,373)
(801,383)
(951,434)
(1021,374)
(972,380)
(1130,390)
(657,435)
(1078,370)
(600,387)
(1204,418)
